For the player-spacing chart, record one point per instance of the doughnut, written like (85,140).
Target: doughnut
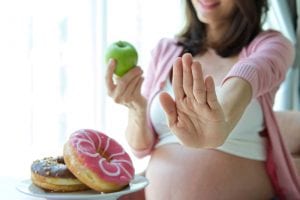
(98,161)
(53,175)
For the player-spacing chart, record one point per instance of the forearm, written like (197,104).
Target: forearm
(234,97)
(138,133)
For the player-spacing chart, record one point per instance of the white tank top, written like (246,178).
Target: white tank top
(243,141)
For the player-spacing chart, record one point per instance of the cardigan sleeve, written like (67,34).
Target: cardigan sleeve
(161,56)
(150,73)
(264,62)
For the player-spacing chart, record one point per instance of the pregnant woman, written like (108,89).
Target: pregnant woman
(204,111)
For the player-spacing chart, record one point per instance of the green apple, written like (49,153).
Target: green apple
(125,54)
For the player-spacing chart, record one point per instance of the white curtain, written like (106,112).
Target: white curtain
(52,71)
(283,16)
(47,78)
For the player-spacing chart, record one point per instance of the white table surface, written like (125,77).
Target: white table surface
(8,190)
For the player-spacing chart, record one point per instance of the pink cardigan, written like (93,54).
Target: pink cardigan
(263,63)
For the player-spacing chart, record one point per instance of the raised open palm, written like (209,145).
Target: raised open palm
(195,115)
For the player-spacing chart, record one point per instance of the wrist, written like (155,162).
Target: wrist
(139,107)
(137,113)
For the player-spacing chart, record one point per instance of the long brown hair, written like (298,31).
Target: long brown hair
(246,24)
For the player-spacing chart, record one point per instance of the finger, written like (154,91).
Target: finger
(123,92)
(132,73)
(199,90)
(211,96)
(109,76)
(132,86)
(126,81)
(169,107)
(177,79)
(187,61)
(138,89)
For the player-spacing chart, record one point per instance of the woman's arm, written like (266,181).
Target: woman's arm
(234,97)
(126,90)
(264,63)
(138,134)
(198,117)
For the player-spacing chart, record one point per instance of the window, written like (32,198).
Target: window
(282,17)
(51,72)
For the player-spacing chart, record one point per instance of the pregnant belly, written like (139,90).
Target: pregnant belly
(176,172)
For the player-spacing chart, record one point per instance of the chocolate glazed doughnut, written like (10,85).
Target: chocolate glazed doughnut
(52,174)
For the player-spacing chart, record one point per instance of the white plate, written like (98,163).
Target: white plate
(26,187)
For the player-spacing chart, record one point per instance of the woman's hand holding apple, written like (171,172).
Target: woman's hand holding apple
(122,58)
(123,81)
(126,90)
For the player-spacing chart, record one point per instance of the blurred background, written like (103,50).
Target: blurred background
(52,69)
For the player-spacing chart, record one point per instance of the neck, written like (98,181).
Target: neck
(215,32)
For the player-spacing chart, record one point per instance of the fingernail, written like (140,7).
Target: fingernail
(110,61)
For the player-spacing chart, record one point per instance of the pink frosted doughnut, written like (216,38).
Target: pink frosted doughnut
(98,161)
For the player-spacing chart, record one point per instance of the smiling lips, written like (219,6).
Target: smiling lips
(208,5)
